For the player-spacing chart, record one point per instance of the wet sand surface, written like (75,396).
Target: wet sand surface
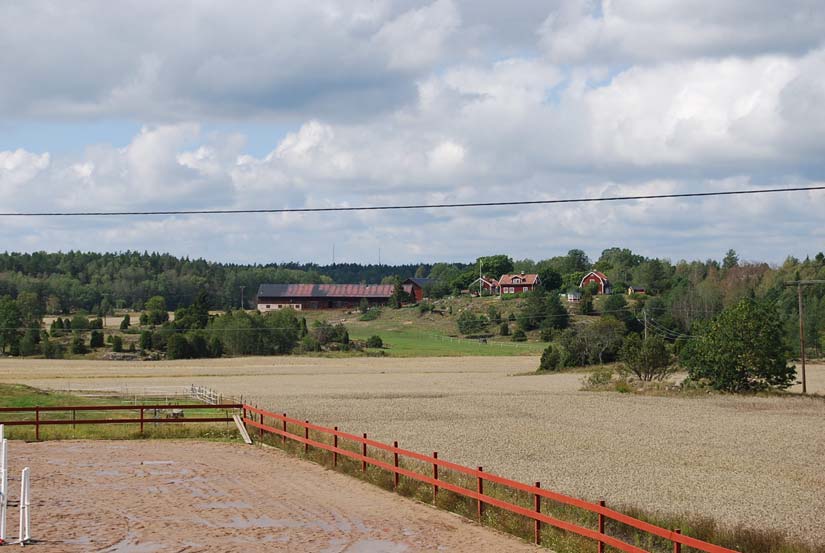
(184,496)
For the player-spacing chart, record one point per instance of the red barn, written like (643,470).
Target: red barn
(415,287)
(518,283)
(600,279)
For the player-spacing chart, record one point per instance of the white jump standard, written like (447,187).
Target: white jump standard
(24,504)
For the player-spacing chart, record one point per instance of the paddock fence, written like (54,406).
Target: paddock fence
(402,463)
(142,415)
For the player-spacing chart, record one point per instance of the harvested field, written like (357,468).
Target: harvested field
(154,496)
(742,460)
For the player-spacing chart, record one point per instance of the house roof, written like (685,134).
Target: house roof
(507,280)
(489,280)
(325,290)
(598,274)
(420,282)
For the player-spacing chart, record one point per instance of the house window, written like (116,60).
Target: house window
(268,306)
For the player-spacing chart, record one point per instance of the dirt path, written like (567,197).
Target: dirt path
(183,496)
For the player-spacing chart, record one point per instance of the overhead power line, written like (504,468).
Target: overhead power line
(409,206)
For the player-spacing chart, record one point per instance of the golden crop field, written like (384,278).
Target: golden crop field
(742,460)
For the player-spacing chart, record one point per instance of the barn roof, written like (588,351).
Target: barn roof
(421,282)
(325,290)
(507,280)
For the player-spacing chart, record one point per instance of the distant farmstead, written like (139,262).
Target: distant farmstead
(272,297)
(600,279)
(518,283)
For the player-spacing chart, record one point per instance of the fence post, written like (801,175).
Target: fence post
(74,417)
(335,445)
(395,463)
(284,425)
(364,453)
(261,430)
(435,477)
(37,423)
(480,490)
(537,523)
(677,547)
(601,526)
(141,420)
(306,437)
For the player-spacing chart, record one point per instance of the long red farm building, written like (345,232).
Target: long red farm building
(272,297)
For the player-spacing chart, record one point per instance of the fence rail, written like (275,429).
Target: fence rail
(256,417)
(38,421)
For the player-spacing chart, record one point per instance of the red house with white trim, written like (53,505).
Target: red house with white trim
(518,283)
(600,279)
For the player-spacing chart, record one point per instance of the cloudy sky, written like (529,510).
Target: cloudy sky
(269,104)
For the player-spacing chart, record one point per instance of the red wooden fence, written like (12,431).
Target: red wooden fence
(38,421)
(480,476)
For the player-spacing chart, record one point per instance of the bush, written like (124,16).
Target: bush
(647,359)
(551,359)
(469,323)
(425,307)
(504,329)
(126,322)
(96,339)
(78,346)
(371,314)
(131,347)
(598,379)
(117,344)
(215,347)
(364,305)
(519,336)
(375,342)
(546,334)
(80,322)
(28,346)
(51,350)
(310,343)
(177,347)
(145,340)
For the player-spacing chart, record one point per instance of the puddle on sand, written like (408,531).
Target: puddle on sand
(157,462)
(83,540)
(365,546)
(224,505)
(108,473)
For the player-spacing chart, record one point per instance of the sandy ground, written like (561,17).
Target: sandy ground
(743,460)
(162,496)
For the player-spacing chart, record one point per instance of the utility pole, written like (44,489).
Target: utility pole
(242,304)
(644,312)
(799,284)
